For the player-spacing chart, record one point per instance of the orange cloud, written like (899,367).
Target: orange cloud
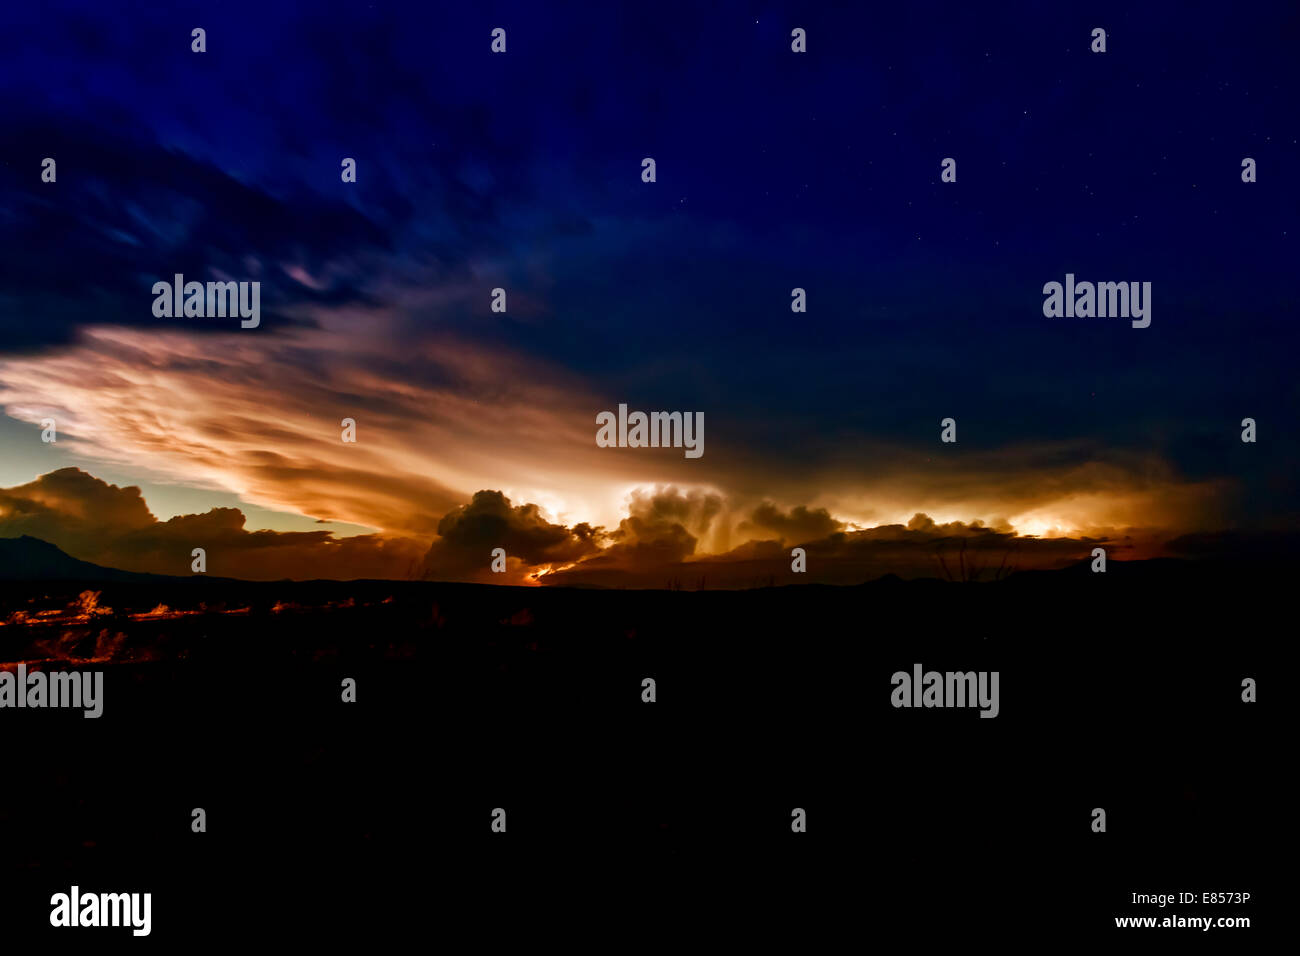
(468,535)
(440,417)
(111,526)
(258,415)
(658,542)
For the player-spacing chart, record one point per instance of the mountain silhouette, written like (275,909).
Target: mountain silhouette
(31,559)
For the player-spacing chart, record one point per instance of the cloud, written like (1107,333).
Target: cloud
(376,311)
(663,528)
(951,550)
(655,545)
(111,526)
(798,524)
(76,502)
(127,221)
(374,299)
(260,416)
(922,548)
(441,415)
(469,534)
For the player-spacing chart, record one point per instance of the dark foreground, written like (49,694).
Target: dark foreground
(370,821)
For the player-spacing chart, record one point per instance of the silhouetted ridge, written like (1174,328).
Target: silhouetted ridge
(31,559)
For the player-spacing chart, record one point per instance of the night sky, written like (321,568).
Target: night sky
(775,170)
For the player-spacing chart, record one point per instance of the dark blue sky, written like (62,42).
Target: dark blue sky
(775,170)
